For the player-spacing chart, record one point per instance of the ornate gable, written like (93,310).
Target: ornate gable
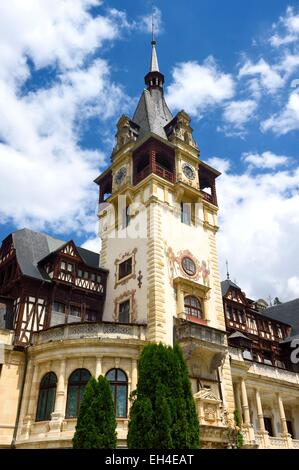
(70,249)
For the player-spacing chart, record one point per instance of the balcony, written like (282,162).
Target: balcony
(186,330)
(263,441)
(157,170)
(209,198)
(265,370)
(163,173)
(101,330)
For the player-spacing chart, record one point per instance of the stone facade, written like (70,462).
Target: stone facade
(159,258)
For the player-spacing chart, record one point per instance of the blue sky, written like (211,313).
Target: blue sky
(70,68)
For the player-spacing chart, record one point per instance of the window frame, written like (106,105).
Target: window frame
(128,302)
(114,385)
(78,386)
(186,213)
(192,307)
(125,273)
(45,389)
(122,259)
(188,259)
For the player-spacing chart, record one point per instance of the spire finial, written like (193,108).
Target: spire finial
(227,272)
(153,25)
(154,66)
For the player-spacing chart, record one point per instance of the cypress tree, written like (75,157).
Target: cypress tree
(96,421)
(187,426)
(163,414)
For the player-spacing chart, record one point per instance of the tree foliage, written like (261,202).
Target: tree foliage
(96,421)
(163,414)
(240,437)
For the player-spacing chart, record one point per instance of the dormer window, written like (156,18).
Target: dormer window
(66,266)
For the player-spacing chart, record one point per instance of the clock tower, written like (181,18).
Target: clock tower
(158,223)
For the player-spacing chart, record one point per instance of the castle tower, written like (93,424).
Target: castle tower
(158,222)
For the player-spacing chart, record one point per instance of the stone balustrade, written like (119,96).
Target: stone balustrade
(102,330)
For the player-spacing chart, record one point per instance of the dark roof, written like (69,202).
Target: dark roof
(225,286)
(287,313)
(91,258)
(32,247)
(238,334)
(152,113)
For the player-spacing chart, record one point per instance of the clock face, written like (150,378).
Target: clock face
(188,171)
(120,175)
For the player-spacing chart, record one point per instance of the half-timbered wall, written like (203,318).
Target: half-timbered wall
(73,292)
(263,334)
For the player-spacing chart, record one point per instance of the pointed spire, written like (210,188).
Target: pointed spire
(154,79)
(154,66)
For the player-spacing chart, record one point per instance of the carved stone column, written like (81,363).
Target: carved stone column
(180,303)
(134,374)
(245,405)
(246,414)
(59,411)
(31,404)
(259,409)
(206,303)
(282,416)
(283,423)
(262,433)
(98,367)
(238,400)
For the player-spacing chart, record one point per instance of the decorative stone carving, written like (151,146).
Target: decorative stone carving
(180,128)
(121,259)
(126,132)
(209,407)
(129,294)
(175,266)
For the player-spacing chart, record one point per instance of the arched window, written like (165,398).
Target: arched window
(77,382)
(119,388)
(46,397)
(193,306)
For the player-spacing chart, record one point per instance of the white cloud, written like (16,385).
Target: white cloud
(269,78)
(259,219)
(289,27)
(265,160)
(93,244)
(195,87)
(293,287)
(144,23)
(46,176)
(285,121)
(238,113)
